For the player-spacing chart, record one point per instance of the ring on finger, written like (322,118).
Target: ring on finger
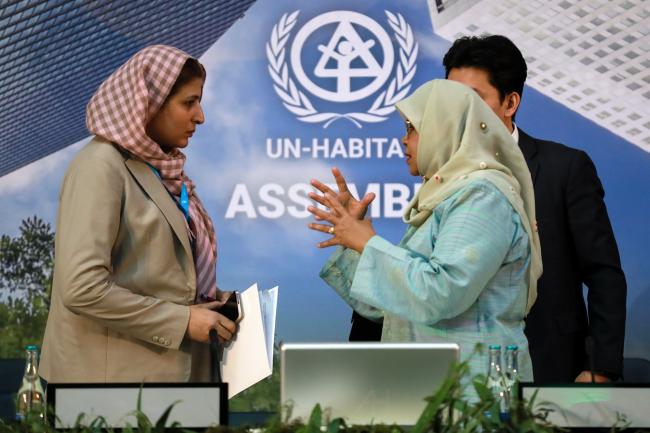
(330,230)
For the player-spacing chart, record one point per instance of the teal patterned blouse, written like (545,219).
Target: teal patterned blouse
(460,277)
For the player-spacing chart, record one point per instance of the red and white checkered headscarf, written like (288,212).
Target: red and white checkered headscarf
(120,110)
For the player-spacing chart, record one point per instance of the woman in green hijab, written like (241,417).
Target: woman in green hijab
(466,270)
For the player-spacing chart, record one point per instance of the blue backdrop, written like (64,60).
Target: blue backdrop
(253,158)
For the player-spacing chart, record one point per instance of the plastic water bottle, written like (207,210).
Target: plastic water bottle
(496,381)
(31,398)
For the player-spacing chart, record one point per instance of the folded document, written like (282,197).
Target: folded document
(248,358)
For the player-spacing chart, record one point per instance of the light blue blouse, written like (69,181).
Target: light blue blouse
(459,277)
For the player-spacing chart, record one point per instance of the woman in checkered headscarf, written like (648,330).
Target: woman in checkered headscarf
(134,276)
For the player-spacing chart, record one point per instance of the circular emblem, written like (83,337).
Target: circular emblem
(345,47)
(353,61)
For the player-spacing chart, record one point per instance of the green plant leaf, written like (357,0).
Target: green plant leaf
(484,393)
(335,425)
(432,410)
(314,423)
(162,421)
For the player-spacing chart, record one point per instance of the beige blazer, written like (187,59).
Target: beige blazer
(123,277)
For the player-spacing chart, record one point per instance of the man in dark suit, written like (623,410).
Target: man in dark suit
(578,245)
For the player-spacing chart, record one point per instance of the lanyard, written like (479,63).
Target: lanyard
(184,202)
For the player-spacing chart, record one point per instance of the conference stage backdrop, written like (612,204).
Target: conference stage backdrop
(295,88)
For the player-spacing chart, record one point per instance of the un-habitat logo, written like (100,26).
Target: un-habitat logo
(341,57)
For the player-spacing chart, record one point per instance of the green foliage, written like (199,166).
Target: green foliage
(264,396)
(34,423)
(447,411)
(26,269)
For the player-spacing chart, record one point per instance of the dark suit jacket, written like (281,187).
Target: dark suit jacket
(364,329)
(578,247)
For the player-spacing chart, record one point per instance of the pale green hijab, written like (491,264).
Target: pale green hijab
(461,140)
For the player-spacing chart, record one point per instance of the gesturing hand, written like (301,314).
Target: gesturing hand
(345,229)
(356,208)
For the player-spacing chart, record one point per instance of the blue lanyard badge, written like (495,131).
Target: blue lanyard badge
(184,202)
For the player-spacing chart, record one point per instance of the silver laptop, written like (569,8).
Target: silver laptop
(364,383)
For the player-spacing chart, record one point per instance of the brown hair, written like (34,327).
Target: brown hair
(191,70)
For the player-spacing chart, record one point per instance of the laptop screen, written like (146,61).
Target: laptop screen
(364,383)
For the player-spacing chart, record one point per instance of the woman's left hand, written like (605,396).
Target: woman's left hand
(345,229)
